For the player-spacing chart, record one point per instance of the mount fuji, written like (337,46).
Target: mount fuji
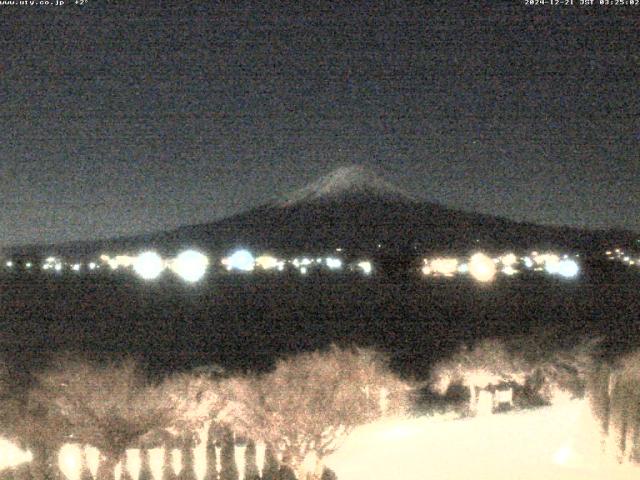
(361,212)
(347,182)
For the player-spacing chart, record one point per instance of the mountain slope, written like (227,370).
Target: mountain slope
(354,209)
(344,182)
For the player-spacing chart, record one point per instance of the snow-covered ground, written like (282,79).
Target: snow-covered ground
(559,442)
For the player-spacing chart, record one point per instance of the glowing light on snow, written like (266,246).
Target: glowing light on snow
(562,456)
(559,442)
(156,462)
(261,449)
(11,455)
(148,265)
(366,267)
(484,403)
(218,459)
(334,263)
(239,454)
(70,461)
(134,463)
(200,461)
(240,260)
(482,268)
(176,461)
(190,265)
(92,457)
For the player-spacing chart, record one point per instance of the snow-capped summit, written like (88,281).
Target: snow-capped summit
(345,181)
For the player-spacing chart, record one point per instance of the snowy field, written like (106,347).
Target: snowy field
(560,442)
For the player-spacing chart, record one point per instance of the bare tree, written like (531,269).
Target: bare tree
(29,425)
(310,402)
(109,406)
(547,371)
(194,399)
(200,397)
(614,393)
(488,363)
(557,369)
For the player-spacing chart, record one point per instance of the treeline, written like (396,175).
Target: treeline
(299,412)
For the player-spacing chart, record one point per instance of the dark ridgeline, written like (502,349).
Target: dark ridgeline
(354,209)
(245,321)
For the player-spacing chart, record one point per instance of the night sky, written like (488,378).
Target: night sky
(120,119)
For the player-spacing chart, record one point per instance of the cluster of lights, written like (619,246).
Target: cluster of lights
(484,268)
(190,265)
(240,260)
(244,261)
(53,263)
(624,257)
(554,264)
(268,262)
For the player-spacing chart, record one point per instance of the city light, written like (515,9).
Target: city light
(240,260)
(509,259)
(568,268)
(482,268)
(444,266)
(365,266)
(267,262)
(148,265)
(334,263)
(509,270)
(190,265)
